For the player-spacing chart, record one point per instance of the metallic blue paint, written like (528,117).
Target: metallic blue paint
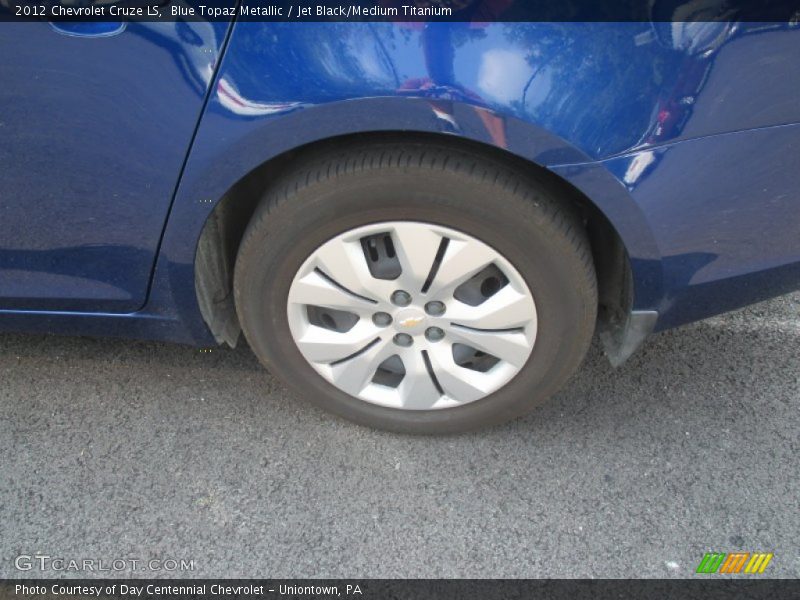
(684,135)
(95,131)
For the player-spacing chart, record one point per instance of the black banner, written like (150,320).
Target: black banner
(701,588)
(772,11)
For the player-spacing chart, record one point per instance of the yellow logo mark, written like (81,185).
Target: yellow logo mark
(411,321)
(758,562)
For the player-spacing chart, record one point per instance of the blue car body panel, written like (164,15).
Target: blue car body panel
(96,128)
(684,135)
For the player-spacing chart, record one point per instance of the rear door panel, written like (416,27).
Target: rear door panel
(93,135)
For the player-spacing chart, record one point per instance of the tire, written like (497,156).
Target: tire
(512,212)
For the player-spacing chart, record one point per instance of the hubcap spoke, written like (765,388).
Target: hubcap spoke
(417,391)
(507,309)
(325,346)
(461,261)
(510,346)
(457,382)
(344,262)
(416,250)
(315,290)
(353,375)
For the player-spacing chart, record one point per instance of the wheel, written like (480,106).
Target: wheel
(415,287)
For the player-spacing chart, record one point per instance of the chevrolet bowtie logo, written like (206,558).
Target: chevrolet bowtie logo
(411,321)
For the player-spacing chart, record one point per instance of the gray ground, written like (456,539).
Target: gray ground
(113,449)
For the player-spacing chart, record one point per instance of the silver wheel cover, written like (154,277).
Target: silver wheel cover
(340,298)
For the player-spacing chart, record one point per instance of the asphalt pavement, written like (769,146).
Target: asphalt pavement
(115,450)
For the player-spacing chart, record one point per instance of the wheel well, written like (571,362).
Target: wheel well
(225,226)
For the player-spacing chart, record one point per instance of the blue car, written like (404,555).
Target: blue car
(418,226)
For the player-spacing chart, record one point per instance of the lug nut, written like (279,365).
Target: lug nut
(435,308)
(401,298)
(382,319)
(434,334)
(403,339)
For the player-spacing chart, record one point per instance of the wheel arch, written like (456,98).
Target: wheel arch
(223,229)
